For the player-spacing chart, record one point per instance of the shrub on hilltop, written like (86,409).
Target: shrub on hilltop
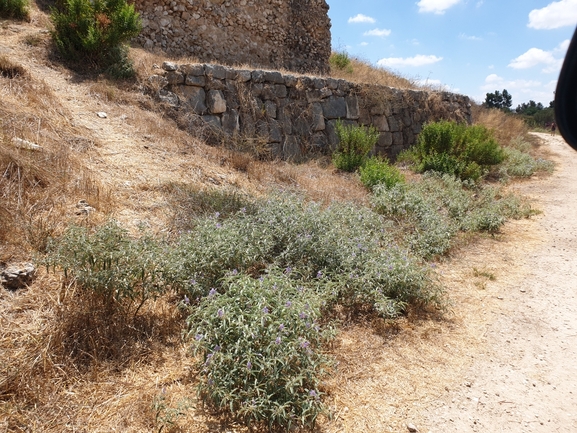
(95,32)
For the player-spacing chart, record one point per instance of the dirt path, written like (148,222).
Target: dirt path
(525,378)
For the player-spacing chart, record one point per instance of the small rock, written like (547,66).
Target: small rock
(102,114)
(25,144)
(17,277)
(412,428)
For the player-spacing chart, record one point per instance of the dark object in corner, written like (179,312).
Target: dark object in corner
(566,96)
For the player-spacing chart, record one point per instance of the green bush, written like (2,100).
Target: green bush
(341,61)
(95,31)
(108,263)
(430,213)
(343,243)
(520,164)
(378,171)
(456,149)
(355,142)
(18,9)
(261,350)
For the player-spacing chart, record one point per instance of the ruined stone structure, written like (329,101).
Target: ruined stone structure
(275,34)
(298,114)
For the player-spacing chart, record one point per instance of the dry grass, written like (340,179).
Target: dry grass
(363,72)
(506,127)
(38,185)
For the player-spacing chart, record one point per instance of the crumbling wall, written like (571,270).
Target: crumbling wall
(298,114)
(278,34)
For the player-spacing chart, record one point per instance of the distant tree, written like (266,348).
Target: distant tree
(536,114)
(500,100)
(529,108)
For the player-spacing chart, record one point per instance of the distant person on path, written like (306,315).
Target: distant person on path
(553,127)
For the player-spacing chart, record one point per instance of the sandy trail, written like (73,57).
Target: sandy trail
(525,378)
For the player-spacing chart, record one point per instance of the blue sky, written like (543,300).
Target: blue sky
(469,46)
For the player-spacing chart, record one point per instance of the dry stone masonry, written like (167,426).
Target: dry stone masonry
(297,114)
(277,34)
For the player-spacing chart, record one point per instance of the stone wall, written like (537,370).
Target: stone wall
(277,34)
(298,114)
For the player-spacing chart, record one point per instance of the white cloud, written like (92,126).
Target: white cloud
(470,38)
(480,3)
(521,90)
(556,14)
(360,18)
(537,56)
(418,60)
(378,32)
(436,6)
(364,44)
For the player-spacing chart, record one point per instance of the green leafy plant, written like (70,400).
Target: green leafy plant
(376,171)
(166,416)
(430,213)
(456,149)
(108,263)
(260,347)
(18,9)
(341,61)
(95,31)
(355,142)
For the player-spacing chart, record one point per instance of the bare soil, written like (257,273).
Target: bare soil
(502,360)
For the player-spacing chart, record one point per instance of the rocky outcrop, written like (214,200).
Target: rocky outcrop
(279,34)
(14,277)
(298,114)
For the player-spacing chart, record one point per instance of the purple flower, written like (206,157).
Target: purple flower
(281,327)
(319,274)
(305,344)
(217,214)
(198,337)
(220,312)
(277,341)
(288,270)
(218,225)
(217,348)
(265,310)
(248,365)
(192,281)
(303,315)
(288,304)
(313,393)
(210,382)
(234,272)
(212,292)
(186,300)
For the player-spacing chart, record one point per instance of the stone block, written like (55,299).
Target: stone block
(290,80)
(175,77)
(214,84)
(275,133)
(257,76)
(334,107)
(398,138)
(195,98)
(212,121)
(169,66)
(380,122)
(270,109)
(273,77)
(196,69)
(291,149)
(394,124)
(243,75)
(385,140)
(332,83)
(168,97)
(319,83)
(318,117)
(314,95)
(216,102)
(352,103)
(230,122)
(195,80)
(215,71)
(280,91)
(319,141)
